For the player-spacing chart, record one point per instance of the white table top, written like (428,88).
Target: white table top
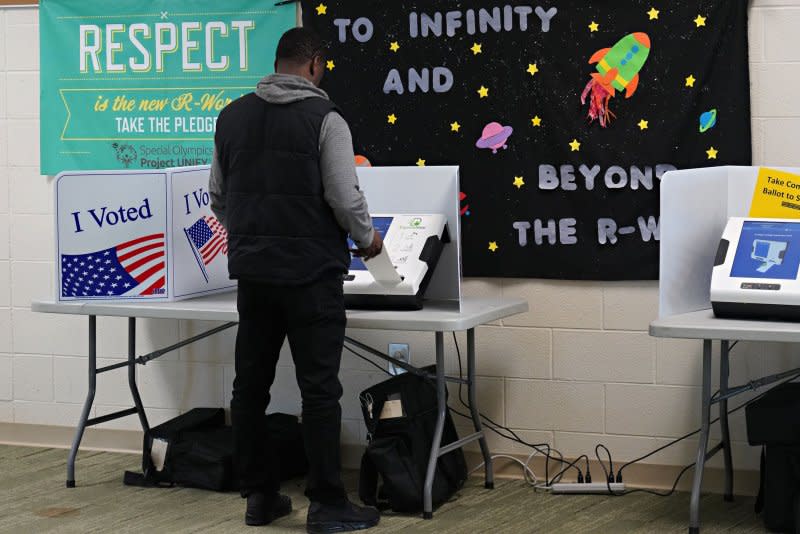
(434,317)
(703,325)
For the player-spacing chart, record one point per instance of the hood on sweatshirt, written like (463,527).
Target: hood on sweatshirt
(287,88)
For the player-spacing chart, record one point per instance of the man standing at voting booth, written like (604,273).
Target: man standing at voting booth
(284,185)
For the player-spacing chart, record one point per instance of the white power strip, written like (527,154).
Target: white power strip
(592,487)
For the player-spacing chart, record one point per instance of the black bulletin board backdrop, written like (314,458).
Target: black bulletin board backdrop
(694,78)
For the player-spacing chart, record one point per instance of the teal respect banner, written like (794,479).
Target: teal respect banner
(138,84)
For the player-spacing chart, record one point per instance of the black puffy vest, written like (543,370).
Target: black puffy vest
(280,229)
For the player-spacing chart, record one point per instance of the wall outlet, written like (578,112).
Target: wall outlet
(399,351)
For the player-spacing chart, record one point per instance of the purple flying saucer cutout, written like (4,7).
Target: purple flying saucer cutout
(495,136)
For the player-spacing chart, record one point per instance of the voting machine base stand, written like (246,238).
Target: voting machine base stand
(437,450)
(441,398)
(131,363)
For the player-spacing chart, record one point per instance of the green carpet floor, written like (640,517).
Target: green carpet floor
(33,499)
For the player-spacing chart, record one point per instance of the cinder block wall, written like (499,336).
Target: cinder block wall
(577,370)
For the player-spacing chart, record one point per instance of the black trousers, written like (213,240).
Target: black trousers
(313,318)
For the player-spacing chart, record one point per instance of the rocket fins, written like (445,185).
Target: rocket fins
(600,54)
(632,86)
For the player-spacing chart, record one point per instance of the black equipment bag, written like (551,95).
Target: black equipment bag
(400,444)
(197,451)
(773,422)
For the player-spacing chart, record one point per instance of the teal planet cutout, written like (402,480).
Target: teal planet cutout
(708,120)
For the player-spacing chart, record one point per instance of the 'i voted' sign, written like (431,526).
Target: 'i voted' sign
(140,235)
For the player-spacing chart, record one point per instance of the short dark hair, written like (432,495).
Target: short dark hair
(300,45)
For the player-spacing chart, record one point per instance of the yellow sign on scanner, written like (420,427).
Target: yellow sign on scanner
(777,195)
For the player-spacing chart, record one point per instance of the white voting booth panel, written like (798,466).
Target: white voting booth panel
(695,207)
(415,190)
(138,235)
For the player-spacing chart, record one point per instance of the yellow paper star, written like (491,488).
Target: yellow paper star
(575,145)
(712,153)
(519,182)
(420,162)
(537,121)
(483,92)
(331,65)
(454,127)
(476,49)
(700,21)
(532,69)
(593,27)
(690,81)
(653,13)
(322,9)
(493,246)
(392,118)
(395,46)
(643,124)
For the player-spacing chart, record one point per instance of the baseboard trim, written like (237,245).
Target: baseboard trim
(60,437)
(654,476)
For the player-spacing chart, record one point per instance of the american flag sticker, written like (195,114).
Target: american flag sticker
(131,269)
(208,239)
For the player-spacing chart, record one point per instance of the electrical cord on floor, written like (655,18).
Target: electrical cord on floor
(581,478)
(536,446)
(686,468)
(608,474)
(529,474)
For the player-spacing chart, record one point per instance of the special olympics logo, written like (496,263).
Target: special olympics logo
(126,154)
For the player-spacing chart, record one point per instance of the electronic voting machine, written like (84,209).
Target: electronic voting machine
(397,278)
(755,273)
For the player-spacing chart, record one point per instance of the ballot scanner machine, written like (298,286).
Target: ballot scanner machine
(417,212)
(398,277)
(699,207)
(756,270)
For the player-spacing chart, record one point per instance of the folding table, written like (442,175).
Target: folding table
(437,317)
(703,325)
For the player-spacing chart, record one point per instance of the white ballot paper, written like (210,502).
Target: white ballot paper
(382,269)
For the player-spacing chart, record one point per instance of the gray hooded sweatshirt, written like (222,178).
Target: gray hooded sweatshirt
(337,161)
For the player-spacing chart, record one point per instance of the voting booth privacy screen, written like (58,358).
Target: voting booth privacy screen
(138,235)
(562,116)
(718,234)
(402,194)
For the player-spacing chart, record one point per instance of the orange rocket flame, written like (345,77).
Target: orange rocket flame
(599,101)
(618,69)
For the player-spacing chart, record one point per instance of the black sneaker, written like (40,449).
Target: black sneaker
(326,518)
(263,508)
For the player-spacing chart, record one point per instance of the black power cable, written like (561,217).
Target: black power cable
(491,425)
(368,360)
(610,472)
(686,468)
(535,446)
(499,429)
(619,472)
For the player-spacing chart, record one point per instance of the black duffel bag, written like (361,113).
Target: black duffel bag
(195,450)
(773,422)
(400,415)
